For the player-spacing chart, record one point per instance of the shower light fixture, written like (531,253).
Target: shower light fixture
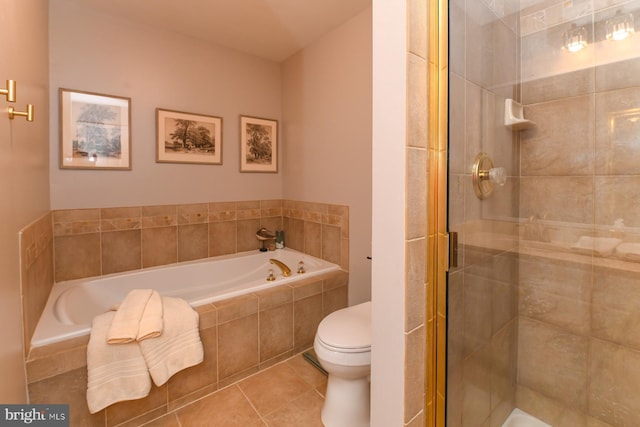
(575,38)
(620,26)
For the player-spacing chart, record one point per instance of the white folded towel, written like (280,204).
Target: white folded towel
(178,347)
(151,323)
(139,316)
(115,372)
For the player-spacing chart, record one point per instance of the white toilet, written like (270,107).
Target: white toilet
(343,348)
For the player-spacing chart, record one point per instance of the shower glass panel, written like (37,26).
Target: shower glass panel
(543,309)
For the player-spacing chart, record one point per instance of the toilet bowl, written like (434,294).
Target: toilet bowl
(343,347)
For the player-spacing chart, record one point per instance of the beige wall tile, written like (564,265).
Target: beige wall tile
(201,376)
(562,143)
(237,346)
(159,216)
(193,242)
(566,378)
(617,132)
(313,238)
(331,244)
(69,388)
(417,100)
(222,238)
(276,331)
(616,298)
(126,218)
(559,86)
(237,307)
(617,197)
(415,284)
(416,193)
(561,198)
(414,373)
(77,256)
(246,237)
(615,383)
(294,230)
(476,400)
(222,211)
(121,251)
(196,213)
(159,246)
(307,315)
(618,75)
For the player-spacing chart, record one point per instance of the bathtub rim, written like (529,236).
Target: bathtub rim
(75,333)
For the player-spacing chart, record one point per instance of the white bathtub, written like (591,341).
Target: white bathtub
(73,304)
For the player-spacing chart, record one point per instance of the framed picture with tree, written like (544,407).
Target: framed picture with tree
(188,138)
(258,145)
(95,130)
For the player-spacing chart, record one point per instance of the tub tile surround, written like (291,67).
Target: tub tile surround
(242,336)
(92,242)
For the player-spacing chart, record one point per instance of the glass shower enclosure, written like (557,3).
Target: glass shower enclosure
(543,308)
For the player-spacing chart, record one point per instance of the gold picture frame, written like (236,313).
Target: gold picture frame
(258,145)
(95,130)
(188,138)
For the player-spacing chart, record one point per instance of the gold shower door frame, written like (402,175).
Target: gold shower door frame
(438,238)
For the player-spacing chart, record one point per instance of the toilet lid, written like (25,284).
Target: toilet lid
(348,328)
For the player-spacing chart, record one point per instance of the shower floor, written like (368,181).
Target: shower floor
(519,418)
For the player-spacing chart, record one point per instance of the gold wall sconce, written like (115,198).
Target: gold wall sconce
(10,91)
(485,176)
(28,114)
(620,27)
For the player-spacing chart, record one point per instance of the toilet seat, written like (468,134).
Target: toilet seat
(347,330)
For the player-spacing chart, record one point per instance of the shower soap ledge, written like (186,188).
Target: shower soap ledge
(514,116)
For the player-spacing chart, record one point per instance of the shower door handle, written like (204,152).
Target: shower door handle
(453,249)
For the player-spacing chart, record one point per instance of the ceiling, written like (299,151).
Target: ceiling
(271,29)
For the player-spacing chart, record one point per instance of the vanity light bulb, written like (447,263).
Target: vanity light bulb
(575,39)
(620,27)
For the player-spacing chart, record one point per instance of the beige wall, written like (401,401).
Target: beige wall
(389,216)
(94,52)
(327,125)
(24,192)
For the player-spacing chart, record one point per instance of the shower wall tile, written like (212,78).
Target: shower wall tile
(414,389)
(556,292)
(565,379)
(480,34)
(616,298)
(615,384)
(618,132)
(617,197)
(503,368)
(476,383)
(618,75)
(457,37)
(560,198)
(416,193)
(553,412)
(563,141)
(558,87)
(457,133)
(418,27)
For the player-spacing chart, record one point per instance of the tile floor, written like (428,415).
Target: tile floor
(289,394)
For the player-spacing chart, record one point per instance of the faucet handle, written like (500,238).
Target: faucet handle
(300,267)
(271,277)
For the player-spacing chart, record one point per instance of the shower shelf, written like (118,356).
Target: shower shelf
(514,116)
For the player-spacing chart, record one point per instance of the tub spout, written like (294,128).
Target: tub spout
(286,271)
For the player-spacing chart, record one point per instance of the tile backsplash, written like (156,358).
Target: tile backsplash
(76,243)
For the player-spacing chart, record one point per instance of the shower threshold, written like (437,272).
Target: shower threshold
(519,418)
